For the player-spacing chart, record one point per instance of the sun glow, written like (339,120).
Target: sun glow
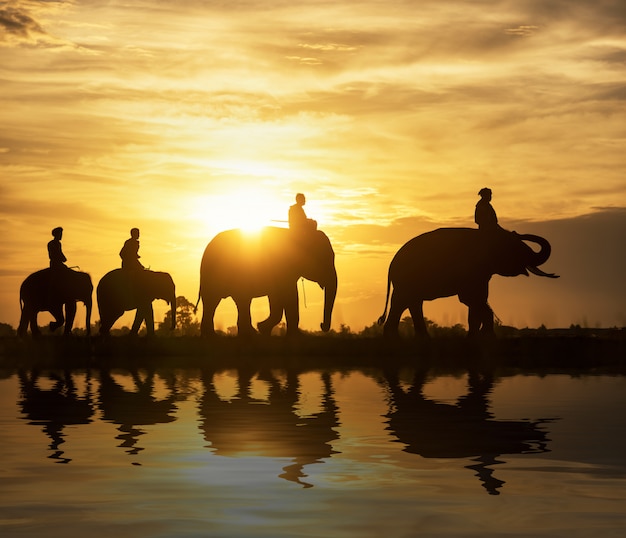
(249,209)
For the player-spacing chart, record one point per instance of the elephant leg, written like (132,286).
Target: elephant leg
(487,320)
(476,301)
(106,322)
(32,321)
(277,307)
(59,319)
(292,311)
(22,329)
(244,321)
(417,314)
(396,309)
(149,319)
(70,314)
(209,305)
(140,315)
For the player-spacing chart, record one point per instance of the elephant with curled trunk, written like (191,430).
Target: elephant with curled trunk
(52,290)
(269,263)
(457,261)
(122,289)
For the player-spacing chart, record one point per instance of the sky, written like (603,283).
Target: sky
(185,119)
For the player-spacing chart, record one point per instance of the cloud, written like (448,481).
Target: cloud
(17,22)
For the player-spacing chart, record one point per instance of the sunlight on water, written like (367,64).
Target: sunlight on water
(273,452)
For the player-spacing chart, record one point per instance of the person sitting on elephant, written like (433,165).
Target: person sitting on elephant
(298,220)
(130,252)
(55,252)
(485,215)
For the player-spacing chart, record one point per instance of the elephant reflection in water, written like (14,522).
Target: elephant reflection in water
(138,407)
(274,430)
(466,429)
(54,408)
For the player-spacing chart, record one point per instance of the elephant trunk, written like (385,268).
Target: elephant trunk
(330,292)
(538,258)
(172,302)
(88,303)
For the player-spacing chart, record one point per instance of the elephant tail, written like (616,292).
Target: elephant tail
(195,308)
(382,318)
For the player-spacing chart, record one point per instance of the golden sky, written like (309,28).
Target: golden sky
(184,119)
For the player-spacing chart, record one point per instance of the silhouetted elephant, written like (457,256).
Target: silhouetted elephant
(49,290)
(121,290)
(246,266)
(457,261)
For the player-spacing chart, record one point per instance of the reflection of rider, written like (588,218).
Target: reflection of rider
(298,220)
(485,215)
(55,252)
(130,252)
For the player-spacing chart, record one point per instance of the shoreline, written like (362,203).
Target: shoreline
(565,353)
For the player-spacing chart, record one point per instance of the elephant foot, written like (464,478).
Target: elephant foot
(54,325)
(265,327)
(294,333)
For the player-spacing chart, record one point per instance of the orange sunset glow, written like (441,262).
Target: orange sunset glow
(186,119)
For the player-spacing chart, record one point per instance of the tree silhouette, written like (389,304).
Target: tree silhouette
(187,323)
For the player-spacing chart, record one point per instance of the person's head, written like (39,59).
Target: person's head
(485,193)
(134,233)
(57,233)
(300,199)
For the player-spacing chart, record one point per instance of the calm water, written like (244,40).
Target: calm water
(273,453)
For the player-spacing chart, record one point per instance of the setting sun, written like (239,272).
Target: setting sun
(248,208)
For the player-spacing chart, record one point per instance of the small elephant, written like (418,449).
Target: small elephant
(50,290)
(122,289)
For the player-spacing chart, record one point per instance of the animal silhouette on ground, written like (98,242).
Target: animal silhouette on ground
(122,289)
(54,290)
(457,261)
(244,266)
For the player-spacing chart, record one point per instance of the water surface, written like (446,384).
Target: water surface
(251,452)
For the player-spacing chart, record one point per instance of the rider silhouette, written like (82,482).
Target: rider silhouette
(55,252)
(298,220)
(130,252)
(485,215)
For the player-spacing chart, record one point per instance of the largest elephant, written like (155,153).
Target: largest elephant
(51,290)
(457,261)
(122,289)
(269,263)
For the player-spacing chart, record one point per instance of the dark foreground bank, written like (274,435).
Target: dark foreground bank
(562,352)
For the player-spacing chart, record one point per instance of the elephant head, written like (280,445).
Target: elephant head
(513,256)
(162,287)
(83,291)
(318,265)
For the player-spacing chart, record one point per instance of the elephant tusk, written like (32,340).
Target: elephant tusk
(539,272)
